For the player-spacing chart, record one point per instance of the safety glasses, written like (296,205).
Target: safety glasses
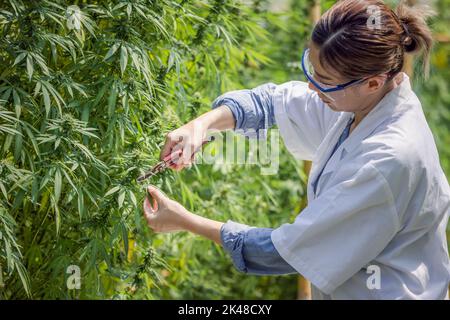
(332,92)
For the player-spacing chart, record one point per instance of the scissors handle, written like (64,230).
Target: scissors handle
(167,161)
(175,155)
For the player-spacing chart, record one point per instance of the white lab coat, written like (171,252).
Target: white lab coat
(382,202)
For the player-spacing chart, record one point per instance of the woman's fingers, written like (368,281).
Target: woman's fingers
(183,164)
(177,153)
(157,195)
(187,140)
(152,204)
(172,140)
(188,152)
(154,200)
(165,215)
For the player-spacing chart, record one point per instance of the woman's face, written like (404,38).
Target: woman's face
(353,98)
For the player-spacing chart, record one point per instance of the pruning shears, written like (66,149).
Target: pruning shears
(165,163)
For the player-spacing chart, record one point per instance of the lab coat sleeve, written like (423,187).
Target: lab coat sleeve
(302,118)
(342,230)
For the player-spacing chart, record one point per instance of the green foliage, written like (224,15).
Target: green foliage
(435,91)
(88,91)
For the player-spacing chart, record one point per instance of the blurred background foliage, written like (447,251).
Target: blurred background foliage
(88,91)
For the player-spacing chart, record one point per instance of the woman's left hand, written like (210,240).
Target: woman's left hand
(164,214)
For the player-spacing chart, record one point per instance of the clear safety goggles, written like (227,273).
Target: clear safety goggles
(332,92)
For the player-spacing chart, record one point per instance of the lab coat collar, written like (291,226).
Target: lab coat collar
(390,104)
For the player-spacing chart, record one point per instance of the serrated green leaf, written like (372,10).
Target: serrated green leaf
(30,67)
(17,103)
(80,202)
(23,277)
(121,198)
(46,96)
(111,51)
(9,256)
(112,191)
(125,237)
(3,189)
(133,198)
(112,99)
(18,139)
(57,219)
(19,58)
(58,184)
(123,58)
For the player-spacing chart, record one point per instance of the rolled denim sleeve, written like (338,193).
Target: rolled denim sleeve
(251,108)
(252,250)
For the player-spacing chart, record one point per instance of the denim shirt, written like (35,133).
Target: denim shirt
(251,248)
(252,109)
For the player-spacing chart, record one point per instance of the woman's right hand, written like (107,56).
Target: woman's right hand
(189,139)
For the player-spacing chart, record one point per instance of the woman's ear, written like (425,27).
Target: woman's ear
(375,83)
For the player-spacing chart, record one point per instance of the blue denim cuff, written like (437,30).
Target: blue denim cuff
(252,109)
(233,235)
(233,105)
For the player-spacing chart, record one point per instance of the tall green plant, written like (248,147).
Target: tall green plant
(88,90)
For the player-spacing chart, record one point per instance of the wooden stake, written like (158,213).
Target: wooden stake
(303,285)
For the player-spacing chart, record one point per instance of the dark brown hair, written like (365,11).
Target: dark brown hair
(356,48)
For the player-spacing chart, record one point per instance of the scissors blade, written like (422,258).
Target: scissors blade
(145,176)
(156,169)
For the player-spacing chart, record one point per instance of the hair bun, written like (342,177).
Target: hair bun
(407,41)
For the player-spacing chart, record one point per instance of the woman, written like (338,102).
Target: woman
(378,198)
